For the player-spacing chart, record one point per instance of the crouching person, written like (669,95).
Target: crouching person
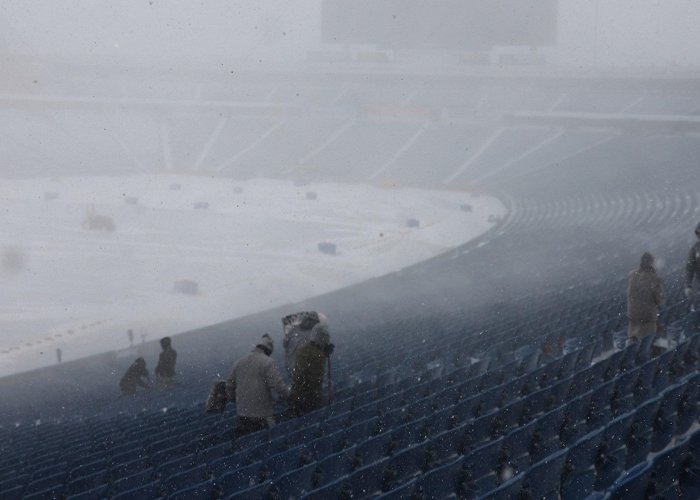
(310,365)
(133,377)
(250,385)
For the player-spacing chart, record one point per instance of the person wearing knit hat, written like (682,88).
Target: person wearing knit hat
(251,383)
(692,269)
(645,293)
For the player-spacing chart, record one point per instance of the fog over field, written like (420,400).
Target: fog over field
(247,246)
(392,118)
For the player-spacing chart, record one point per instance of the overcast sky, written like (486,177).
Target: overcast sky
(607,32)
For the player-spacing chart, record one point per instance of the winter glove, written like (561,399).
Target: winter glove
(688,292)
(328,349)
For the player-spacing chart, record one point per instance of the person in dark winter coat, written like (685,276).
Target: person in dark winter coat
(645,293)
(165,370)
(692,269)
(250,385)
(297,332)
(133,377)
(307,382)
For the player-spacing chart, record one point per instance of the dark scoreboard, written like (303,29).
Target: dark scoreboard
(444,24)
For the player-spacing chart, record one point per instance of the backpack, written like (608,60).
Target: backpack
(216,402)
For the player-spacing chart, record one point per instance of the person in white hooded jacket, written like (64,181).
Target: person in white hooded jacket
(297,330)
(250,385)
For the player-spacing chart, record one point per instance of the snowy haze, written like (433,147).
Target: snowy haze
(622,33)
(105,104)
(253,247)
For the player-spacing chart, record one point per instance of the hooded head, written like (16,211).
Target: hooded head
(697,230)
(320,335)
(165,342)
(309,320)
(647,262)
(266,344)
(140,362)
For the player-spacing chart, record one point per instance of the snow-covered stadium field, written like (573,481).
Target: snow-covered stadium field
(254,247)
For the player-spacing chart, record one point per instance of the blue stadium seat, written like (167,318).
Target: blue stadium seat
(147,491)
(578,478)
(373,449)
(171,453)
(41,483)
(407,463)
(124,469)
(585,356)
(543,479)
(666,417)
(87,482)
(240,479)
(509,490)
(296,483)
(634,483)
(133,481)
(14,481)
(623,394)
(96,493)
(12,493)
(228,463)
(484,467)
(688,405)
(202,490)
(643,388)
(131,453)
(442,482)
(516,446)
(600,412)
(178,465)
(185,478)
(48,492)
(335,466)
(478,368)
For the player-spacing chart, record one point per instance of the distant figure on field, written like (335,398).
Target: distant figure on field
(297,332)
(692,270)
(165,370)
(645,293)
(307,383)
(250,385)
(133,377)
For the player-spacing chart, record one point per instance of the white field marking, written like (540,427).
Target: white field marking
(210,143)
(399,152)
(250,146)
(625,109)
(520,157)
(481,101)
(165,143)
(558,101)
(344,89)
(475,156)
(331,139)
